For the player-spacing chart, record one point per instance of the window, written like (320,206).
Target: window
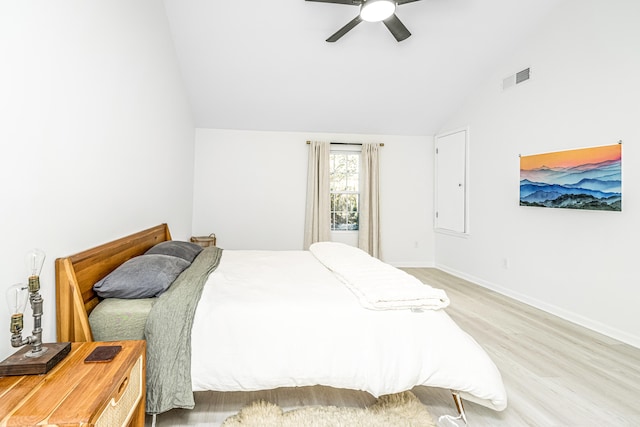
(345,190)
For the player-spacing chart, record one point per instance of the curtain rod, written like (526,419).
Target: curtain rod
(347,143)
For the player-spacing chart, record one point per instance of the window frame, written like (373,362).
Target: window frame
(347,149)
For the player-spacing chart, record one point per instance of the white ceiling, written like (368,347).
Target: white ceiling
(265,65)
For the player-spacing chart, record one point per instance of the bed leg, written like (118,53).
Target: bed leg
(460,407)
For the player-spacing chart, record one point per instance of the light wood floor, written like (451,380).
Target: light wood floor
(556,373)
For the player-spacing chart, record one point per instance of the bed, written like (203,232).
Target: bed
(268,319)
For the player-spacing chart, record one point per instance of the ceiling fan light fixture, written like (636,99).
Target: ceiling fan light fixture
(377,10)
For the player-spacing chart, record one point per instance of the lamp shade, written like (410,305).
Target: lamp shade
(377,10)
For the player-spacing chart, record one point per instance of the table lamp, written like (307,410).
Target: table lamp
(36,358)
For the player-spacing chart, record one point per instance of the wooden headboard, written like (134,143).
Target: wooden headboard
(76,275)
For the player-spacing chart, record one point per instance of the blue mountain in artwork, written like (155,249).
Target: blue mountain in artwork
(614,185)
(596,186)
(538,192)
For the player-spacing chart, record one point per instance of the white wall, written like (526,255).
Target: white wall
(584,91)
(250,188)
(95,132)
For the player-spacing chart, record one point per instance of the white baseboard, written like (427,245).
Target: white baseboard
(401,264)
(570,316)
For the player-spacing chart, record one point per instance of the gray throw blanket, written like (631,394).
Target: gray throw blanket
(168,335)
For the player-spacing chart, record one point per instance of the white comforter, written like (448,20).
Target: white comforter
(269,319)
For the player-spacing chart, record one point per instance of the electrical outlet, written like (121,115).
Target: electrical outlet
(415,244)
(505,263)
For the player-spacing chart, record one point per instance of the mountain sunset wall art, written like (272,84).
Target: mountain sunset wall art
(586,178)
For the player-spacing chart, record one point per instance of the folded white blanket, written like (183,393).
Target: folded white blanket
(378,286)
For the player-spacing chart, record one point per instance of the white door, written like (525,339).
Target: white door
(451,166)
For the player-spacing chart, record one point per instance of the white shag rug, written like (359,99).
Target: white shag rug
(393,410)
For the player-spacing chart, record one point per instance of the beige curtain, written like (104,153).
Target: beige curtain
(369,227)
(317,223)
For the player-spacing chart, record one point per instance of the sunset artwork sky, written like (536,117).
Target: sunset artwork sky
(571,158)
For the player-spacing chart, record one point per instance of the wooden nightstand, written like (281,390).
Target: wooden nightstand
(75,393)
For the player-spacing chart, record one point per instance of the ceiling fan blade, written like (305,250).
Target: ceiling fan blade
(399,2)
(397,28)
(349,2)
(344,30)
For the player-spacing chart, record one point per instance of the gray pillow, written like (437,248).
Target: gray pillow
(144,276)
(184,250)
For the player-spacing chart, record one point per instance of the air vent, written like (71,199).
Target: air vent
(517,78)
(523,75)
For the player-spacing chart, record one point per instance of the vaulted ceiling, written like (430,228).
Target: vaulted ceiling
(265,65)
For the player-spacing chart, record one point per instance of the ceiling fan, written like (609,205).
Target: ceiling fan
(373,11)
